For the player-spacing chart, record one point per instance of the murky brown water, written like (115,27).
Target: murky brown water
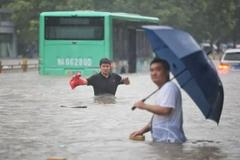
(34,126)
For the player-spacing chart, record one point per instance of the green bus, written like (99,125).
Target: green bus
(72,41)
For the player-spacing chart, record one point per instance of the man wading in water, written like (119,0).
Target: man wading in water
(104,82)
(167,120)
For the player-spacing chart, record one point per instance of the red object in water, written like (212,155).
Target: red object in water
(76,81)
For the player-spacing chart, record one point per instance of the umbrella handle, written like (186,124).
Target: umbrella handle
(134,107)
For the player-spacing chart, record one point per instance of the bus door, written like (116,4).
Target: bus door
(132,55)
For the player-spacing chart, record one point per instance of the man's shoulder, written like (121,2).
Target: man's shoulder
(115,75)
(95,75)
(171,86)
(93,78)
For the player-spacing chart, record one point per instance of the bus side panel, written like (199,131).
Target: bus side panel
(41,46)
(70,57)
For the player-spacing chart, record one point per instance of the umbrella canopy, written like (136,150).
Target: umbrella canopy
(193,70)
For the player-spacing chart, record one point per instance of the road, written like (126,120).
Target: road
(34,126)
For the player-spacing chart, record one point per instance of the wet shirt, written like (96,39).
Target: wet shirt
(102,85)
(168,128)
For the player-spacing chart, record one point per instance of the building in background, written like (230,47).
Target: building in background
(8,40)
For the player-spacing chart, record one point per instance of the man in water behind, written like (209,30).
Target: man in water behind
(104,82)
(166,123)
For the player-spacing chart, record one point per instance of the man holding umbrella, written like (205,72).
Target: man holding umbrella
(194,72)
(167,121)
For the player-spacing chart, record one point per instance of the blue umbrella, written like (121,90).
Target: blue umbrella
(193,70)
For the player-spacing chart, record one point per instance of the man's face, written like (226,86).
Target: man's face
(105,68)
(158,74)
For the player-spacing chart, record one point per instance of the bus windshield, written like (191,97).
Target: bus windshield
(74,28)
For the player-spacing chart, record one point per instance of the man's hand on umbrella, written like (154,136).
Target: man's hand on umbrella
(140,105)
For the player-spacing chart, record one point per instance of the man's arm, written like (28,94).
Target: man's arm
(77,80)
(145,129)
(84,81)
(125,81)
(156,109)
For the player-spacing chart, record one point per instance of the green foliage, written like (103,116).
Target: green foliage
(214,20)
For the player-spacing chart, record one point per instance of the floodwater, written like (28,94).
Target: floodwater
(33,125)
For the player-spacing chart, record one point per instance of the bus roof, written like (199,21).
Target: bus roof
(115,15)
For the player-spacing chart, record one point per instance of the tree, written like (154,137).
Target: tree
(214,20)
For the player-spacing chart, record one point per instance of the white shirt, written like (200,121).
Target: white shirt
(168,128)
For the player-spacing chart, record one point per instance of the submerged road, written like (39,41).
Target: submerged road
(34,126)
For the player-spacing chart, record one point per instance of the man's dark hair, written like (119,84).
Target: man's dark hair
(164,63)
(104,61)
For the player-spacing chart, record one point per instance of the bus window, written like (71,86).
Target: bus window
(130,45)
(74,28)
(143,47)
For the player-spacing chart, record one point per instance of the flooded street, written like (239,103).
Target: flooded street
(34,126)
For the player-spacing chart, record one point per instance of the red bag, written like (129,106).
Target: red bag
(76,81)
